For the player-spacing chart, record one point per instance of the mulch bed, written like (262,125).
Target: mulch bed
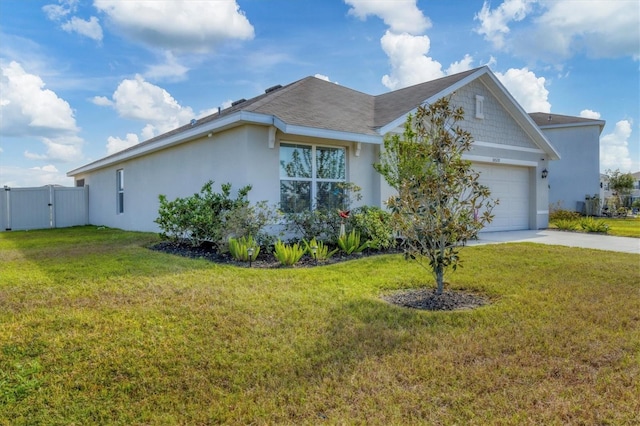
(427,299)
(424,298)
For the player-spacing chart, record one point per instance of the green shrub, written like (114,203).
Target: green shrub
(350,243)
(252,220)
(590,224)
(288,254)
(322,252)
(239,248)
(562,214)
(213,217)
(322,223)
(374,225)
(566,224)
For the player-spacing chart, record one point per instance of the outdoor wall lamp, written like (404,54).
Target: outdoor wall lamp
(250,253)
(545,173)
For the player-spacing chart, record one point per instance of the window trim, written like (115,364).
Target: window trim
(480,107)
(313,180)
(120,191)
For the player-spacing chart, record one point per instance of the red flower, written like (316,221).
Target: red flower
(345,214)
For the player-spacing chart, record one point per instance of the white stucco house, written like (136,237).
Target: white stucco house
(313,121)
(577,174)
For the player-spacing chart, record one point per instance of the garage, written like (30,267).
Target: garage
(510,185)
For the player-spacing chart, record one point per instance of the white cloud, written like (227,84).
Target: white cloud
(614,149)
(56,12)
(101,101)
(587,113)
(179,25)
(601,28)
(404,42)
(460,66)
(28,109)
(19,177)
(325,78)
(400,15)
(137,99)
(90,28)
(409,61)
(555,30)
(494,23)
(66,150)
(115,144)
(527,89)
(169,69)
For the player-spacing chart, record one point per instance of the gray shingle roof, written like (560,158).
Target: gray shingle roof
(312,102)
(309,103)
(543,119)
(392,105)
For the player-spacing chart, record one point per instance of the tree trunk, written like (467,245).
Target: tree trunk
(439,279)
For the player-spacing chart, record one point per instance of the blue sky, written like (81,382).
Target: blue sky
(84,78)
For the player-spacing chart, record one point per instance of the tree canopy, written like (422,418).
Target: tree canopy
(439,202)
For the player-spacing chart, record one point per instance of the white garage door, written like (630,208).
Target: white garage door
(510,185)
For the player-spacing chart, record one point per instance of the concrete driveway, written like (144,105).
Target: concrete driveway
(561,238)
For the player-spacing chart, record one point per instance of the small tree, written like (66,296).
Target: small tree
(439,202)
(621,184)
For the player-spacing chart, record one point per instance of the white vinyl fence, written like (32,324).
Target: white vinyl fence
(44,207)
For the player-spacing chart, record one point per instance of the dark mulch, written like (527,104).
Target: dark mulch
(264,260)
(425,298)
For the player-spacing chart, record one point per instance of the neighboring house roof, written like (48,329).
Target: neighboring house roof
(545,120)
(318,108)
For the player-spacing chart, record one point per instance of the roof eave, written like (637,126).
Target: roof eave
(599,123)
(224,123)
(326,133)
(196,132)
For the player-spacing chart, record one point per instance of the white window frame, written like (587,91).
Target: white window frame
(480,107)
(314,180)
(120,191)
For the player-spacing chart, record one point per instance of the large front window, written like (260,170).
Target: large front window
(311,177)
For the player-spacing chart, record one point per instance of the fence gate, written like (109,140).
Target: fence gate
(43,207)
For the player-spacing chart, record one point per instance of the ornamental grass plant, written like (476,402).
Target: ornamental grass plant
(98,329)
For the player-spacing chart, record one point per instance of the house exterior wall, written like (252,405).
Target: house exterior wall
(241,156)
(244,156)
(577,173)
(175,172)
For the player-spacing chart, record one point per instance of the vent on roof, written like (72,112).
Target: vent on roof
(238,102)
(273,88)
(193,122)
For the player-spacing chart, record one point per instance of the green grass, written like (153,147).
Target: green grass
(97,329)
(627,227)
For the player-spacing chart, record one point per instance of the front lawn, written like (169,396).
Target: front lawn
(97,329)
(627,227)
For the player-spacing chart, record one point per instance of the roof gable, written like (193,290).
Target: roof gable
(397,104)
